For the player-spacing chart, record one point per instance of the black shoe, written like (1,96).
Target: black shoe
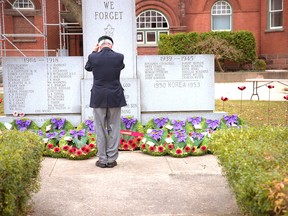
(98,164)
(111,164)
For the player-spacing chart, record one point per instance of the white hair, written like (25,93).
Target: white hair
(106,42)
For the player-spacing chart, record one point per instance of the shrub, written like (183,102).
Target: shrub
(260,64)
(254,161)
(239,46)
(20,162)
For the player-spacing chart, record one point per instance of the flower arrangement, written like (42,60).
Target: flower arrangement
(200,143)
(152,143)
(178,143)
(231,121)
(195,124)
(78,145)
(158,123)
(24,124)
(131,133)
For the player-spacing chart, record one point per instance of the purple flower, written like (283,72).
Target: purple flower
(230,120)
(23,125)
(198,136)
(213,124)
(80,133)
(51,135)
(58,124)
(90,125)
(156,134)
(40,133)
(160,122)
(178,125)
(181,135)
(128,122)
(62,133)
(195,121)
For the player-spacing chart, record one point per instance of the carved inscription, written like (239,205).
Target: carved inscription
(42,84)
(176,82)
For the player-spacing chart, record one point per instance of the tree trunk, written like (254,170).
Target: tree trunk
(74,8)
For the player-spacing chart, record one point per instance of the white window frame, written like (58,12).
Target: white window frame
(146,26)
(271,12)
(29,3)
(221,12)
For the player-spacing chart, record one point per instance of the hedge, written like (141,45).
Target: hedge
(184,43)
(20,163)
(254,161)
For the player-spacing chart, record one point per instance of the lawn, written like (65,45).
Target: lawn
(254,113)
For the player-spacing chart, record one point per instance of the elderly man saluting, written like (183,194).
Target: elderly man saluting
(107,98)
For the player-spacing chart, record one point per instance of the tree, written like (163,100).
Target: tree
(75,8)
(220,48)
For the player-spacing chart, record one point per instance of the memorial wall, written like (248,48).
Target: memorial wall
(42,85)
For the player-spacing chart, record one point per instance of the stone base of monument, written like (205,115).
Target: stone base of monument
(146,116)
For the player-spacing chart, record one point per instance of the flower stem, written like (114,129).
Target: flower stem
(241,104)
(269,108)
(223,106)
(286,114)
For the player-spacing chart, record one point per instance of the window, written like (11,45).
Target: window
(23,4)
(275,14)
(150,24)
(221,15)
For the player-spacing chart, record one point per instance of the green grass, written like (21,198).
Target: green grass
(254,113)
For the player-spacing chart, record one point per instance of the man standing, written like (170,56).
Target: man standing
(107,98)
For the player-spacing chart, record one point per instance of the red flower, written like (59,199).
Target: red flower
(187,149)
(22,114)
(178,151)
(270,86)
(71,151)
(83,148)
(286,97)
(224,98)
(74,149)
(168,136)
(133,145)
(170,146)
(203,148)
(190,134)
(152,148)
(160,148)
(193,149)
(57,150)
(92,145)
(1,100)
(87,150)
(138,139)
(50,146)
(66,148)
(241,88)
(122,140)
(143,146)
(130,142)
(92,139)
(79,152)
(89,134)
(125,146)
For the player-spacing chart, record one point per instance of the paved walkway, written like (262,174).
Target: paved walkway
(140,185)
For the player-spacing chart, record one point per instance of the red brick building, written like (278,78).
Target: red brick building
(25,24)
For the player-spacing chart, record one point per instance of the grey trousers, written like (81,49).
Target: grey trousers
(107,127)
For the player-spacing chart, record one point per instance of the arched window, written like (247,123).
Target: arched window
(150,24)
(221,15)
(23,4)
